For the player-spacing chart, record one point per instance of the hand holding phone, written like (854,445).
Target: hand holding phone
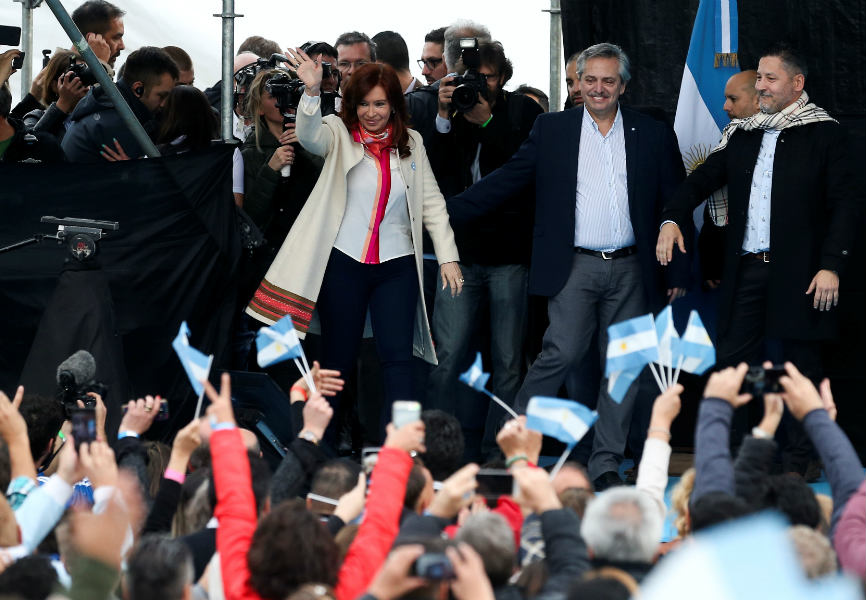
(83,425)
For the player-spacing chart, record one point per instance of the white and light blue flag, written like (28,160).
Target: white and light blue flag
(619,382)
(196,364)
(475,377)
(277,343)
(711,61)
(566,420)
(631,345)
(696,347)
(669,339)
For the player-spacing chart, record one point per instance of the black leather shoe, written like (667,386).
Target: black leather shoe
(606,480)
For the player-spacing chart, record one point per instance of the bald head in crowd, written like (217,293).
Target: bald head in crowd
(741,97)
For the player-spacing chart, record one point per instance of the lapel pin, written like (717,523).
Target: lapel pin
(413,165)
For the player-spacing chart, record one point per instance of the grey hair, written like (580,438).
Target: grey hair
(490,535)
(622,524)
(605,50)
(159,567)
(817,556)
(462,28)
(350,38)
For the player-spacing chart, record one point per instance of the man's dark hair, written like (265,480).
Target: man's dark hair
(180,57)
(290,547)
(443,438)
(714,508)
(147,65)
(5,100)
(43,416)
(260,473)
(791,58)
(159,567)
(335,478)
(391,49)
(543,100)
(188,112)
(350,38)
(437,36)
(414,485)
(261,47)
(29,578)
(95,16)
(791,495)
(493,55)
(319,48)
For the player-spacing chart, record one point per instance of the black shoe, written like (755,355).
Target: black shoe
(606,480)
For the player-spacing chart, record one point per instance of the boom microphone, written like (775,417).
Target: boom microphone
(78,369)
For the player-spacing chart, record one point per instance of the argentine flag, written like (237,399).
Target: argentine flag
(619,382)
(696,347)
(669,339)
(475,377)
(631,345)
(196,364)
(711,60)
(565,420)
(277,343)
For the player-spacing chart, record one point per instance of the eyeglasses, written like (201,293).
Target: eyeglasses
(345,65)
(431,63)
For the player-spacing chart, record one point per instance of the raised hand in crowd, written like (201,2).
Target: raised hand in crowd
(115,154)
(535,490)
(185,443)
(70,91)
(773,409)
(140,414)
(317,414)
(456,493)
(395,578)
(665,409)
(220,409)
(351,504)
(68,464)
(99,46)
(726,384)
(409,437)
(801,397)
(308,70)
(13,430)
(6,59)
(518,443)
(97,462)
(470,578)
(100,414)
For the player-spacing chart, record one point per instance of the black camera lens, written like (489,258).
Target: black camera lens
(464,97)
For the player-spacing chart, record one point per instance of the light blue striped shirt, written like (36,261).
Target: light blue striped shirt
(757,236)
(602,220)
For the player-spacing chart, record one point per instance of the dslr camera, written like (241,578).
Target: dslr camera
(287,92)
(82,71)
(471,83)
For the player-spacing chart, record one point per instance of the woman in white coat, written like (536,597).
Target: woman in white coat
(356,246)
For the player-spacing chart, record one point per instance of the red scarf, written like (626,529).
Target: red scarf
(379,146)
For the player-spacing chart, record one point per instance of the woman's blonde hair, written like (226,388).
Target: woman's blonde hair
(680,496)
(254,100)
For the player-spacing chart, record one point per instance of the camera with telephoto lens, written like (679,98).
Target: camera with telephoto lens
(82,71)
(471,83)
(287,92)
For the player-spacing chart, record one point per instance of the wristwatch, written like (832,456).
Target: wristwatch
(309,436)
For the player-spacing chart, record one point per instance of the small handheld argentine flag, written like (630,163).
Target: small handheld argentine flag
(669,339)
(631,344)
(619,382)
(277,343)
(566,420)
(696,347)
(196,364)
(475,377)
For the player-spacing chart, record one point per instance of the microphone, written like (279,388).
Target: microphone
(76,370)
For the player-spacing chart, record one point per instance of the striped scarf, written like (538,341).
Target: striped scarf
(379,146)
(801,112)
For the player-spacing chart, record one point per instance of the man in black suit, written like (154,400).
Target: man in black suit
(793,214)
(601,174)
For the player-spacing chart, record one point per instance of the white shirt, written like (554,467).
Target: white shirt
(240,130)
(757,235)
(602,219)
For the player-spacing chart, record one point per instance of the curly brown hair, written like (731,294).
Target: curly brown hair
(365,79)
(290,547)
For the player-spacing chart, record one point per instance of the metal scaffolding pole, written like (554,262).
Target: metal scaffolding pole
(120,105)
(27,7)
(555,55)
(226,100)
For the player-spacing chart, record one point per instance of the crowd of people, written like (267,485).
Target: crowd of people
(407,224)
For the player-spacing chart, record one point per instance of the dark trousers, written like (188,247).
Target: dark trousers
(390,291)
(746,341)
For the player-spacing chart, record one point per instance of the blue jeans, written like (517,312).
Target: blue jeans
(504,288)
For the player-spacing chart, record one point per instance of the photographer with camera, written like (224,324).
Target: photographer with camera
(18,145)
(149,75)
(67,83)
(479,127)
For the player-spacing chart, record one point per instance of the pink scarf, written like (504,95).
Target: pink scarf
(379,146)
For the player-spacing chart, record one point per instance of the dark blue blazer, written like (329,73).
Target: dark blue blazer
(548,159)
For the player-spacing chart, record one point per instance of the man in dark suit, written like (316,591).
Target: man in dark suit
(793,214)
(601,175)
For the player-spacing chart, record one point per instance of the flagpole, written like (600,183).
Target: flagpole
(201,395)
(307,378)
(679,365)
(311,383)
(656,375)
(663,375)
(560,462)
(501,403)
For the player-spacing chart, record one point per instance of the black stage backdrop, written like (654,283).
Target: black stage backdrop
(175,257)
(832,36)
